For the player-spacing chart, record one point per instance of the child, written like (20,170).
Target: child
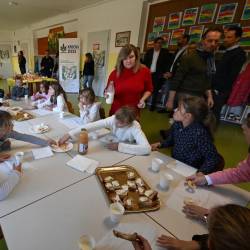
(88,71)
(10,174)
(191,135)
(89,109)
(42,94)
(123,125)
(6,132)
(19,90)
(57,100)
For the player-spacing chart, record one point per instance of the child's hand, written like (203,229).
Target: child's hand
(155,146)
(18,168)
(65,138)
(52,142)
(113,146)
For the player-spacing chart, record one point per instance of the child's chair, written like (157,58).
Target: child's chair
(70,107)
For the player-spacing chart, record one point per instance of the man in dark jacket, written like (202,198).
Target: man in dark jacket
(227,69)
(158,60)
(47,65)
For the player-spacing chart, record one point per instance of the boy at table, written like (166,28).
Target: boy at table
(124,127)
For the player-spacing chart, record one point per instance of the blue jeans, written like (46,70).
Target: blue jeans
(87,81)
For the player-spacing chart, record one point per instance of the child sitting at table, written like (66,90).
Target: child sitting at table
(19,90)
(10,174)
(6,132)
(57,100)
(124,127)
(89,109)
(191,135)
(42,94)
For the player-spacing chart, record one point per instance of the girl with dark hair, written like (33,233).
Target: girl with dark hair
(191,135)
(88,71)
(42,94)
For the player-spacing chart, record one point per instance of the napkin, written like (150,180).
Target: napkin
(83,164)
(41,112)
(40,153)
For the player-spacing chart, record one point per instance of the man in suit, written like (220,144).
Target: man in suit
(158,60)
(47,65)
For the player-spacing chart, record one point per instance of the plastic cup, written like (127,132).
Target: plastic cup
(116,212)
(109,98)
(19,157)
(156,164)
(165,180)
(61,115)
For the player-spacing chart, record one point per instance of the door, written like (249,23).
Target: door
(98,45)
(5,61)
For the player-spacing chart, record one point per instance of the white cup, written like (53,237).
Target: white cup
(86,242)
(110,98)
(156,164)
(116,212)
(26,97)
(19,157)
(1,100)
(165,180)
(61,115)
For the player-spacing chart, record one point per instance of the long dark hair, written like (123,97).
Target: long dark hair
(58,91)
(5,118)
(89,57)
(199,109)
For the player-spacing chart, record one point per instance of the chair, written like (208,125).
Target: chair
(70,107)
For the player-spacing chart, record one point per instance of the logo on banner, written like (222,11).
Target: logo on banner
(63,48)
(71,48)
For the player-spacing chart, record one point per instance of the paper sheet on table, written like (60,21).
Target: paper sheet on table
(83,164)
(181,168)
(40,153)
(110,242)
(41,112)
(71,123)
(21,127)
(201,197)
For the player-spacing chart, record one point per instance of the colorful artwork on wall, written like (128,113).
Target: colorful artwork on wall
(175,34)
(195,33)
(190,16)
(166,38)
(207,13)
(159,24)
(245,39)
(226,13)
(151,37)
(174,20)
(246,11)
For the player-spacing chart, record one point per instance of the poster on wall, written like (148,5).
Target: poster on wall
(207,13)
(69,63)
(175,34)
(174,21)
(166,38)
(151,37)
(54,35)
(246,11)
(226,13)
(159,24)
(195,33)
(245,39)
(190,16)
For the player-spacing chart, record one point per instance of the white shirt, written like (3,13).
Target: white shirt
(9,178)
(61,104)
(154,61)
(90,113)
(126,136)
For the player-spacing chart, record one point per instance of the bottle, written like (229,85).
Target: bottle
(83,142)
(110,92)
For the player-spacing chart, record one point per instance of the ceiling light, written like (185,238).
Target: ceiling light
(12,3)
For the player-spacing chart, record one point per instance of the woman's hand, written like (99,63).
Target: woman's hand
(141,104)
(65,138)
(171,243)
(155,146)
(142,244)
(113,146)
(195,212)
(197,179)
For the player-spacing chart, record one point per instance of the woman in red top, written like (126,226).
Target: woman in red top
(132,80)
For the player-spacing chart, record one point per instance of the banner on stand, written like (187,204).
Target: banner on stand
(69,64)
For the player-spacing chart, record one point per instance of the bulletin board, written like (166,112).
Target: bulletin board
(171,18)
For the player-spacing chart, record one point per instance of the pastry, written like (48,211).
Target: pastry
(130,237)
(131,175)
(145,201)
(116,184)
(141,190)
(125,187)
(151,194)
(109,186)
(129,203)
(131,185)
(122,193)
(108,179)
(139,182)
(115,197)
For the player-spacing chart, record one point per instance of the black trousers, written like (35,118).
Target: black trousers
(157,83)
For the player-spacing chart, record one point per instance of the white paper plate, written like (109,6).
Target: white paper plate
(15,109)
(109,139)
(67,148)
(36,129)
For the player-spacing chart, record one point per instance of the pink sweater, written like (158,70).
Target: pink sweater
(39,95)
(241,173)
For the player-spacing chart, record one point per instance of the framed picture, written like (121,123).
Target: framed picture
(190,16)
(226,13)
(207,13)
(122,38)
(246,11)
(174,20)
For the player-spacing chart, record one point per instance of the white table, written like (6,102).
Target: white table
(176,222)
(58,221)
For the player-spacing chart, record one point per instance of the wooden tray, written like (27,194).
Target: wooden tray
(119,173)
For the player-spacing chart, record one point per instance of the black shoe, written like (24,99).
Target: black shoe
(163,111)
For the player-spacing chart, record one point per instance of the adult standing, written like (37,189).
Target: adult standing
(47,65)
(88,71)
(22,62)
(56,66)
(194,74)
(158,60)
(227,69)
(132,80)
